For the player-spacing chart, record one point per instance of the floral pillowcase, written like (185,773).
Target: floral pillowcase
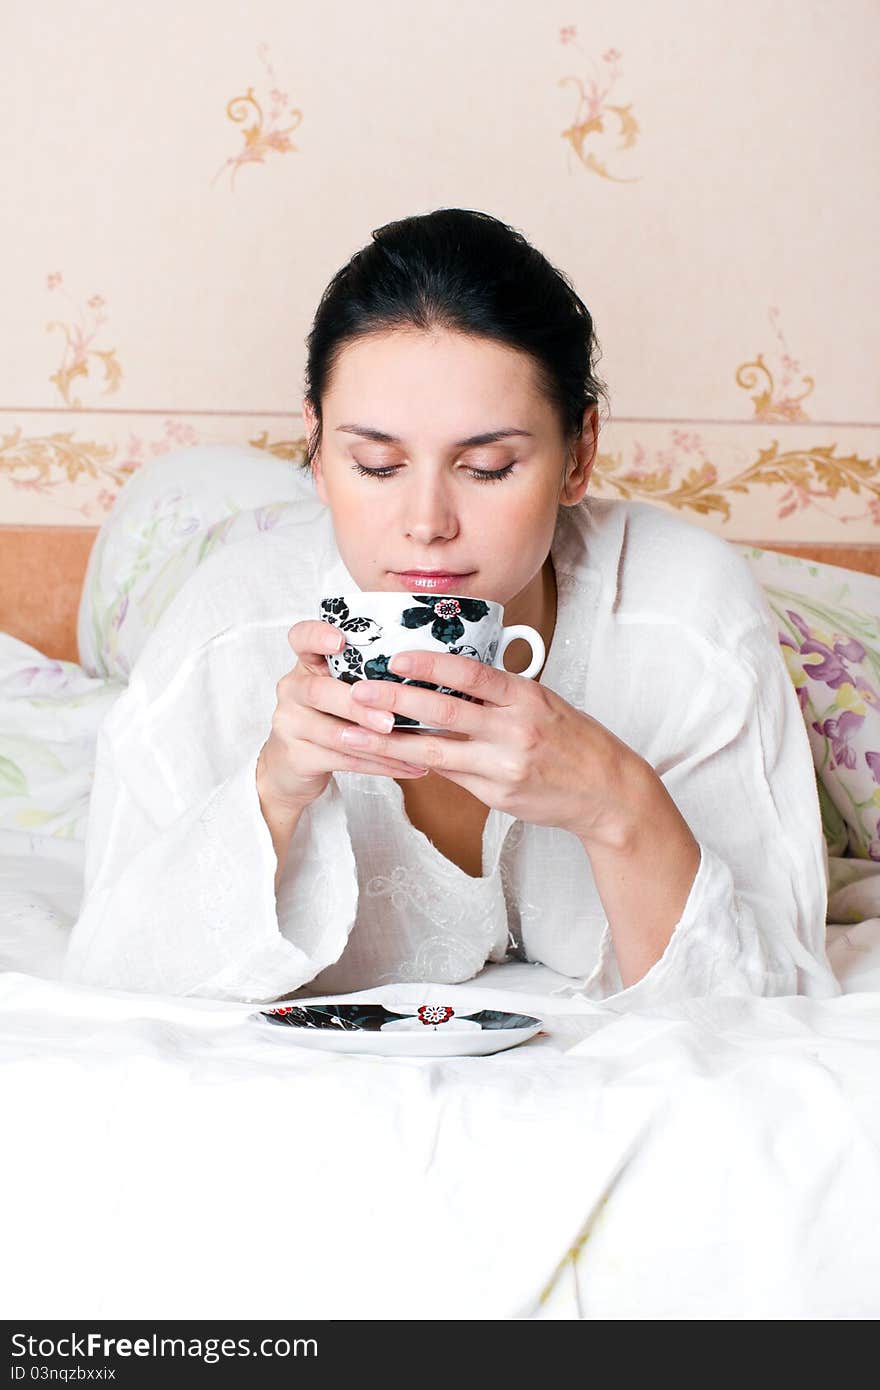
(829,631)
(168,518)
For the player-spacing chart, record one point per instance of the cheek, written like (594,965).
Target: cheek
(347,508)
(361,533)
(526,516)
(520,535)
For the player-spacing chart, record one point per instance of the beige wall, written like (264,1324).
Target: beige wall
(181,179)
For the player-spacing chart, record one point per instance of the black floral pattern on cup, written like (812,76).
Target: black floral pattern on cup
(445,615)
(377,669)
(359,631)
(352,658)
(335,610)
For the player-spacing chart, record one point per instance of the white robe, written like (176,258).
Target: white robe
(662,634)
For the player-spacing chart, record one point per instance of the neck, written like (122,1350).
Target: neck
(535,606)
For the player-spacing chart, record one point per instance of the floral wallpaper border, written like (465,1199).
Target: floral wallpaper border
(768,481)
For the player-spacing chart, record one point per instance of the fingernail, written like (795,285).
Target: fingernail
(357,738)
(367,692)
(379,719)
(401,663)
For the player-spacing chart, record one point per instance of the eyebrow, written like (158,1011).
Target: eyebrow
(490,437)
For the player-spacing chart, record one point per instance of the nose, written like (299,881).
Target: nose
(430,512)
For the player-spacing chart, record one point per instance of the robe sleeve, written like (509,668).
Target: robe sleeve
(754,920)
(179,875)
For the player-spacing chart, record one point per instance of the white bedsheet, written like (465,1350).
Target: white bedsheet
(723,1161)
(716,1160)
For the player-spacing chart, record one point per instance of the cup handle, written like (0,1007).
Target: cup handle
(535,641)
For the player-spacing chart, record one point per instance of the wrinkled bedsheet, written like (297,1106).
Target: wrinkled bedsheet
(163,1158)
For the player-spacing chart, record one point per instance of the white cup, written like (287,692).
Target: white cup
(379,623)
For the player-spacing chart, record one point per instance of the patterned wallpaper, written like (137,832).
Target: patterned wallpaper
(182,180)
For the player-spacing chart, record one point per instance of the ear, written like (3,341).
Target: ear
(580,463)
(311,424)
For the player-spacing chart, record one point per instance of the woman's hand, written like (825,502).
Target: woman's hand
(312,711)
(520,747)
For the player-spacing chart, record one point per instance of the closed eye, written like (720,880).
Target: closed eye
(481,474)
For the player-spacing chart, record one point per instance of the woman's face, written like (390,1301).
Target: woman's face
(482,512)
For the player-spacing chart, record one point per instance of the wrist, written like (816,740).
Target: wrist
(281,805)
(632,792)
(645,822)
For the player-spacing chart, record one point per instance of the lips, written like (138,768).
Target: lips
(427,579)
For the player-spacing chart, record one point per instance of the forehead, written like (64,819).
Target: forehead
(407,371)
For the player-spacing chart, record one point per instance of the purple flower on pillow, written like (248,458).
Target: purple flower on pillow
(850,650)
(867,692)
(119,615)
(799,624)
(840,731)
(800,690)
(266,517)
(41,680)
(831,668)
(822,648)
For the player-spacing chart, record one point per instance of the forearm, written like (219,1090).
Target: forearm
(644,867)
(282,821)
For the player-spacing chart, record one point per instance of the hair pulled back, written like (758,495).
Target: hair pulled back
(466,272)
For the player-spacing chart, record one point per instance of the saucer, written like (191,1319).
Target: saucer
(426,1030)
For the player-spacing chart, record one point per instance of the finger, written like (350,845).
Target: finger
(465,673)
(322,733)
(430,707)
(373,767)
(422,750)
(334,697)
(312,641)
(479,787)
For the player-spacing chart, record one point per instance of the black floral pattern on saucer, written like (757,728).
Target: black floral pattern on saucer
(371,1017)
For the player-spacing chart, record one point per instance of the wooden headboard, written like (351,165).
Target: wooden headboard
(42,570)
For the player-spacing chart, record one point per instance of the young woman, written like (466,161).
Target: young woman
(642,816)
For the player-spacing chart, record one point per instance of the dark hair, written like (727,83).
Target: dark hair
(468,272)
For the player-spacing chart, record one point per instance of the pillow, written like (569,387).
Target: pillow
(829,630)
(167,519)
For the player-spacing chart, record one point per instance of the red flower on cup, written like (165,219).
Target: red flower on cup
(281,1011)
(435,1013)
